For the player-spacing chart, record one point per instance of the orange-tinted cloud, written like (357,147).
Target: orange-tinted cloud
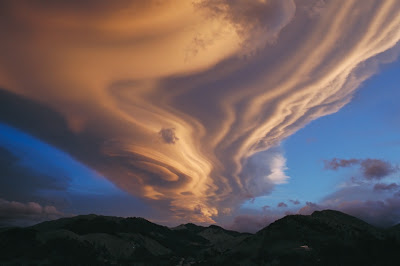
(231,78)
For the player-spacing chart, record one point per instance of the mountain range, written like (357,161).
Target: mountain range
(322,238)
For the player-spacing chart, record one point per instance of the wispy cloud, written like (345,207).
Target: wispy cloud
(386,187)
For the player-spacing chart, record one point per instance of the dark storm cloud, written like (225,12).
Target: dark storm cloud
(386,187)
(371,168)
(168,135)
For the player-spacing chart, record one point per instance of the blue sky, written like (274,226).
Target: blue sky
(80,189)
(367,127)
(47,160)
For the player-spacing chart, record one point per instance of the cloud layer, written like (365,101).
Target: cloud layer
(371,168)
(368,197)
(13,212)
(384,212)
(178,101)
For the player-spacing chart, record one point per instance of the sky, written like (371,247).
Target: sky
(228,111)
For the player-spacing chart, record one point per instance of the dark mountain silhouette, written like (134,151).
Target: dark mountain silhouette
(323,238)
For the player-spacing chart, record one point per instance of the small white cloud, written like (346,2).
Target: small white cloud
(278,168)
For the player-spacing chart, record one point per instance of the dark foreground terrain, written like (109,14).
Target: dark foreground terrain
(323,238)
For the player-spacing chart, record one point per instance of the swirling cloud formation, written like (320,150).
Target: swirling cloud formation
(180,102)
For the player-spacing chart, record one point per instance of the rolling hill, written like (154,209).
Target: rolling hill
(323,238)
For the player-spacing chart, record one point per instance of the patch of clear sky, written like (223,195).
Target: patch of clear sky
(367,127)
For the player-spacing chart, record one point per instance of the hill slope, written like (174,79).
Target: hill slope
(323,238)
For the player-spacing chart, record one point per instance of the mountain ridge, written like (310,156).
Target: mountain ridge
(324,237)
